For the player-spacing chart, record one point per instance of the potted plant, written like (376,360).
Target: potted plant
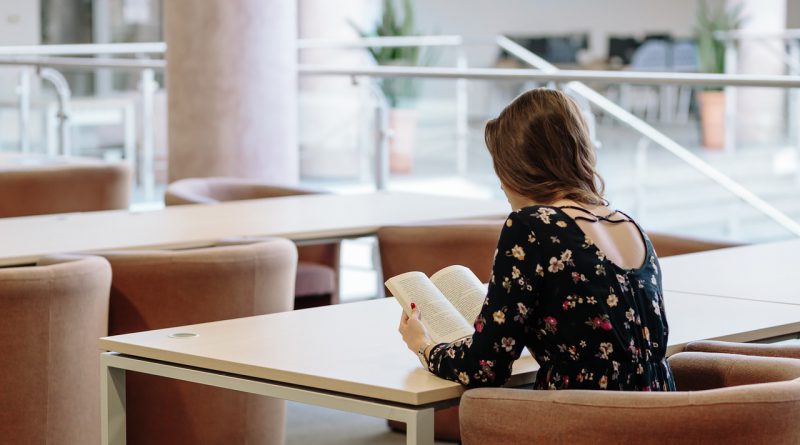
(400,92)
(711,59)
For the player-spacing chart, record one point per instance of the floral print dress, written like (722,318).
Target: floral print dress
(589,323)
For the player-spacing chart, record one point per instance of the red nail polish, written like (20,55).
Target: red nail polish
(413,306)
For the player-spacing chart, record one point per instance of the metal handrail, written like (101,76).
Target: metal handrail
(88,49)
(384,42)
(499,74)
(744,34)
(85,49)
(503,74)
(81,63)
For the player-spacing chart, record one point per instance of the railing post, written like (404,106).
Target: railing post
(382,135)
(462,116)
(731,55)
(147,88)
(64,95)
(793,124)
(640,175)
(24,93)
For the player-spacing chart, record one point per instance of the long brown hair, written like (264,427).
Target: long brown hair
(541,149)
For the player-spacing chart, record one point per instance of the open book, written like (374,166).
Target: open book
(448,301)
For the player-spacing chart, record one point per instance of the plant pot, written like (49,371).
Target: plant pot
(403,123)
(712,118)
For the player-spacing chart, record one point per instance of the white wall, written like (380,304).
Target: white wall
(599,18)
(19,25)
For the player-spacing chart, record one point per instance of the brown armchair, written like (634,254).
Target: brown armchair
(668,245)
(154,289)
(318,268)
(53,313)
(752,349)
(753,400)
(428,248)
(44,189)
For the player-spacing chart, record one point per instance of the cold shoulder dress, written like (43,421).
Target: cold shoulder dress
(589,323)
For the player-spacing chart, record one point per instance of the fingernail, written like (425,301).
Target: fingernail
(413,306)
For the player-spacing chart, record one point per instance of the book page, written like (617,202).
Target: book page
(463,289)
(445,324)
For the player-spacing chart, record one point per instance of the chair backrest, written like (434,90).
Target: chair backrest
(52,316)
(684,56)
(433,246)
(38,190)
(750,413)
(790,350)
(695,371)
(653,55)
(159,289)
(220,189)
(668,245)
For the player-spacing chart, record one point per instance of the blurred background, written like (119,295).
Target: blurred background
(180,88)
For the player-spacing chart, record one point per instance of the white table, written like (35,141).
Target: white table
(350,357)
(761,272)
(311,217)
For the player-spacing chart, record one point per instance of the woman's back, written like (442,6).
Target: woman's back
(591,323)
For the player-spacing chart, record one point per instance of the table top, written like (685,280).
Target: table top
(355,348)
(349,348)
(762,272)
(25,239)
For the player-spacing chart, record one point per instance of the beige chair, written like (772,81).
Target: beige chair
(52,315)
(753,349)
(428,248)
(722,399)
(471,243)
(160,289)
(317,272)
(38,190)
(668,245)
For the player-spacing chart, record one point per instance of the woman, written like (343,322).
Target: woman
(575,282)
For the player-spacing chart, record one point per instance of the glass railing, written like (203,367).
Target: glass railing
(646,125)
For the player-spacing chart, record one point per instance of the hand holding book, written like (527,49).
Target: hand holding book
(449,300)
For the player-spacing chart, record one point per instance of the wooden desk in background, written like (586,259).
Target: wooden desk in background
(762,272)
(350,357)
(310,217)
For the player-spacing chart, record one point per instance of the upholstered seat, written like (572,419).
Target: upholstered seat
(36,190)
(317,271)
(721,399)
(52,315)
(790,350)
(158,289)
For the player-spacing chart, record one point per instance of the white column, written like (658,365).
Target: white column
(761,111)
(232,85)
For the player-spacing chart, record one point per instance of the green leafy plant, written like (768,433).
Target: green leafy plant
(398,91)
(710,50)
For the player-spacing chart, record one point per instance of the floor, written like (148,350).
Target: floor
(311,425)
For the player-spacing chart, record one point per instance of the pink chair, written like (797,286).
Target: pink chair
(53,313)
(44,189)
(155,289)
(317,281)
(722,399)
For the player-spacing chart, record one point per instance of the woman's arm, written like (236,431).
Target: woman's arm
(485,358)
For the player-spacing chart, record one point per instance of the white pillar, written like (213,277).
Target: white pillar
(761,111)
(232,83)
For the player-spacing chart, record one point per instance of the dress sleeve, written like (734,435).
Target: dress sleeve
(485,358)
